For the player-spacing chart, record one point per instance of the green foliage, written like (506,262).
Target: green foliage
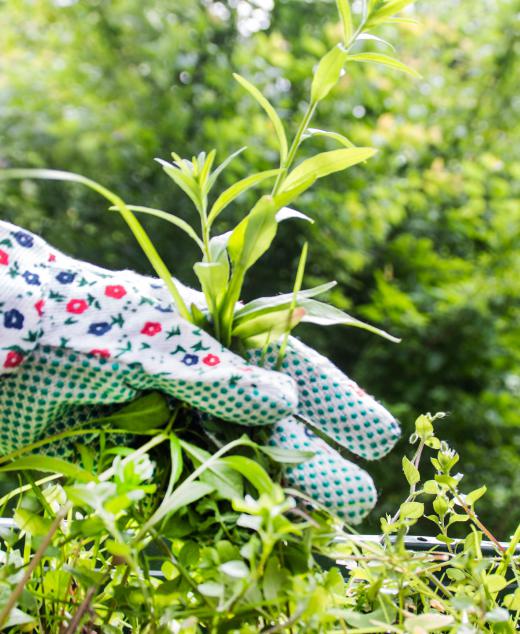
(210,542)
(424,243)
(222,281)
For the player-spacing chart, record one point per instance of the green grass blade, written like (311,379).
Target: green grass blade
(236,189)
(324,164)
(135,226)
(385,60)
(174,220)
(49,464)
(270,111)
(297,287)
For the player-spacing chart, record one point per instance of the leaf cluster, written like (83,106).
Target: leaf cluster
(128,540)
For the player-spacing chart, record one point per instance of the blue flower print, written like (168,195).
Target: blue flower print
(190,359)
(99,329)
(13,319)
(32,278)
(24,239)
(164,309)
(65,278)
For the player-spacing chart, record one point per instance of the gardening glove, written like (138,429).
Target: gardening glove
(92,337)
(74,337)
(338,407)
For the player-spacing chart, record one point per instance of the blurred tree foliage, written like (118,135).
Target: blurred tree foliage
(424,240)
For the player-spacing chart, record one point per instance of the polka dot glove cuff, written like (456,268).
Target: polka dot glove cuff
(73,336)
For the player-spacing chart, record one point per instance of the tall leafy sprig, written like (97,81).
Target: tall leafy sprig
(226,259)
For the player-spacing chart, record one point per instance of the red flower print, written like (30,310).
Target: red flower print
(39,307)
(52,257)
(13,359)
(151,328)
(211,359)
(105,354)
(4,257)
(77,306)
(117,291)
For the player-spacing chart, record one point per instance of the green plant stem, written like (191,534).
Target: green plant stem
(297,288)
(473,517)
(304,124)
(69,434)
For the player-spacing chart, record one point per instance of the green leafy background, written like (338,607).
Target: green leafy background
(423,239)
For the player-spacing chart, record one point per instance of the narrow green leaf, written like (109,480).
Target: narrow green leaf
(186,182)
(375,38)
(325,315)
(252,472)
(265,304)
(236,189)
(199,318)
(214,175)
(164,215)
(176,463)
(336,136)
(387,10)
(135,226)
(206,169)
(220,476)
(184,165)
(183,496)
(294,312)
(386,60)
(270,111)
(345,15)
(49,464)
(328,73)
(326,163)
(218,247)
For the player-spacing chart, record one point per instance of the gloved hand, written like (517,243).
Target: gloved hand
(75,337)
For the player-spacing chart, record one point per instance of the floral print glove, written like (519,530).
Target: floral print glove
(75,338)
(74,335)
